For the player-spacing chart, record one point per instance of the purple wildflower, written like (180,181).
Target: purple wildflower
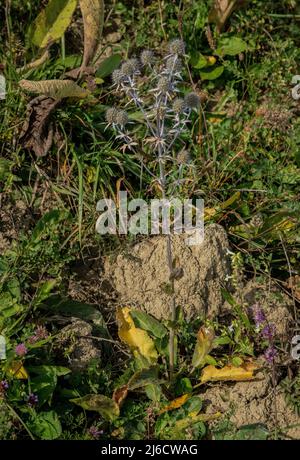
(4,386)
(40,333)
(258,314)
(94,432)
(270,355)
(268,332)
(32,400)
(21,349)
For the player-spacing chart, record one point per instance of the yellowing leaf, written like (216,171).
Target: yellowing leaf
(17,371)
(135,338)
(52,22)
(176,403)
(56,89)
(203,346)
(244,372)
(93,18)
(108,408)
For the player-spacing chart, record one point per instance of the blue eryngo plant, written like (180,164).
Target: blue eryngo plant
(151,87)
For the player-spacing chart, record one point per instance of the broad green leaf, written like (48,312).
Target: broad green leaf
(108,408)
(93,19)
(231,46)
(108,65)
(46,425)
(148,323)
(143,378)
(211,73)
(52,22)
(153,392)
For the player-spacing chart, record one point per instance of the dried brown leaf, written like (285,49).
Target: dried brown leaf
(93,18)
(57,89)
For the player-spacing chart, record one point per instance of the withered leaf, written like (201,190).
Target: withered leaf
(120,394)
(93,18)
(229,372)
(57,89)
(37,130)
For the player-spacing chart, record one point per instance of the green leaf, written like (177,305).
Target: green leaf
(236,361)
(108,408)
(44,224)
(52,22)
(148,323)
(153,392)
(211,73)
(44,291)
(256,431)
(143,378)
(45,382)
(46,425)
(108,65)
(231,46)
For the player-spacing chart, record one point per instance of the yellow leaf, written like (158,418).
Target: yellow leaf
(17,371)
(135,338)
(203,346)
(244,372)
(176,403)
(52,22)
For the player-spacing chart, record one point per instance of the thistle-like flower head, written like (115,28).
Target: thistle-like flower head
(192,100)
(111,115)
(173,65)
(121,118)
(117,76)
(177,46)
(147,57)
(164,85)
(178,105)
(130,67)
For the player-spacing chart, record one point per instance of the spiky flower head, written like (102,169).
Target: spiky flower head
(177,46)
(178,105)
(117,76)
(147,57)
(192,100)
(183,157)
(130,67)
(164,85)
(173,64)
(111,115)
(121,117)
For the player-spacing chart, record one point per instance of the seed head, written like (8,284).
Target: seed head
(178,105)
(117,76)
(130,67)
(147,57)
(173,65)
(164,85)
(192,100)
(177,46)
(183,157)
(121,117)
(111,115)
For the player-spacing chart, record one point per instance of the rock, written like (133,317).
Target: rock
(76,338)
(246,403)
(139,277)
